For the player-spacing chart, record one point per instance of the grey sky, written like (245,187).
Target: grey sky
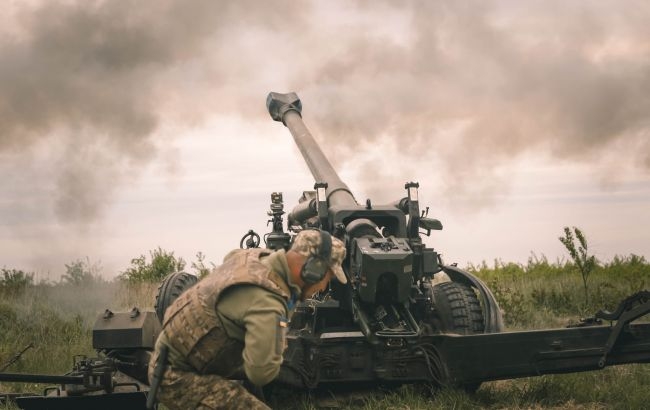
(126,125)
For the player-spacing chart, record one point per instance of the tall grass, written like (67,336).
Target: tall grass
(57,320)
(540,293)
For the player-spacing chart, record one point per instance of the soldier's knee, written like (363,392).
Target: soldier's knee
(232,396)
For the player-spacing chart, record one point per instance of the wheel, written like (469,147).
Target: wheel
(458,309)
(171,287)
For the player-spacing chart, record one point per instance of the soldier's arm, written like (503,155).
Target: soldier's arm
(262,316)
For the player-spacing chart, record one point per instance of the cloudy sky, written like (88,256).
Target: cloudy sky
(126,125)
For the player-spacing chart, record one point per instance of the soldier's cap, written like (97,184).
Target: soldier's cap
(307,243)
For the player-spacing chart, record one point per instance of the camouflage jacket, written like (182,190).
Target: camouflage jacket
(236,316)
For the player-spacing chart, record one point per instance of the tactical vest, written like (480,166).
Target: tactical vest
(192,325)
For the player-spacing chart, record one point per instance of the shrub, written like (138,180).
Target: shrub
(199,266)
(14,281)
(162,263)
(511,301)
(81,272)
(579,254)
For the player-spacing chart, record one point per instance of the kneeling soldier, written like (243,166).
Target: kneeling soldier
(233,323)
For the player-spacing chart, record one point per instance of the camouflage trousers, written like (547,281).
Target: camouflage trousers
(180,390)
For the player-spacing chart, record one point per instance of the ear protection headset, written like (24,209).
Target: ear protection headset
(316,266)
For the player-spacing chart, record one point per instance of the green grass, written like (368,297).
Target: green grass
(57,320)
(546,294)
(539,294)
(621,387)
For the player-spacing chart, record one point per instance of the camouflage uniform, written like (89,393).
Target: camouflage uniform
(231,324)
(181,390)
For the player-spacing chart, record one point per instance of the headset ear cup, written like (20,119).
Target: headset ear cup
(313,270)
(315,267)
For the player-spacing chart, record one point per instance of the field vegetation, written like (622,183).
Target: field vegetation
(53,322)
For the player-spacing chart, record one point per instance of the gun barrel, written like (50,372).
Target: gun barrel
(288,108)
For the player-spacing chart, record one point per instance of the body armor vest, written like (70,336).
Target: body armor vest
(192,325)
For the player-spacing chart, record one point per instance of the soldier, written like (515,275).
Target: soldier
(232,324)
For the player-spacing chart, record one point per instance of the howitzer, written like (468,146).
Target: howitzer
(394,321)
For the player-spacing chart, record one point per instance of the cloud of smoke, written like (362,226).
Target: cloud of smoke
(101,77)
(468,85)
(83,74)
(478,83)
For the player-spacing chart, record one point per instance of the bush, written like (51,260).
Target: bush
(14,281)
(580,255)
(81,272)
(511,301)
(162,263)
(199,266)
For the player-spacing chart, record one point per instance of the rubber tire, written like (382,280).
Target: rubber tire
(170,288)
(459,309)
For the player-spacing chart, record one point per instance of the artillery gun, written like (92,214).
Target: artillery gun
(403,317)
(393,322)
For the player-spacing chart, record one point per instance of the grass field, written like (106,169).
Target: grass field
(57,318)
